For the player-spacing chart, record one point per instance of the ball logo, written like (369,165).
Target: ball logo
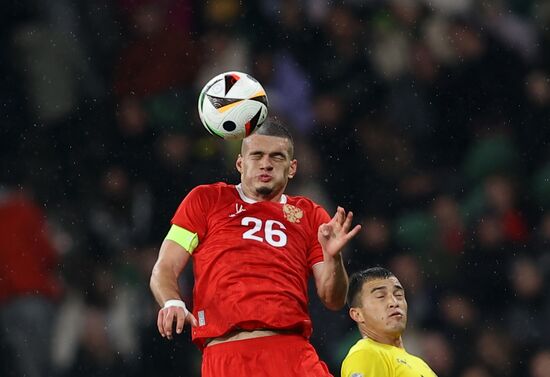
(292,213)
(217,88)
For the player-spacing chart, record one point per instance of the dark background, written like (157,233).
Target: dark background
(428,119)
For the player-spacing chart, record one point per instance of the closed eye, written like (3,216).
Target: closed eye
(399,292)
(256,155)
(278,156)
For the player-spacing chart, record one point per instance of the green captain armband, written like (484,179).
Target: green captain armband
(189,241)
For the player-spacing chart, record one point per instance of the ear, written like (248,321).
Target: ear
(293,168)
(239,164)
(356,315)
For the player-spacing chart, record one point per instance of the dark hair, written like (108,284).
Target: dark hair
(273,127)
(357,280)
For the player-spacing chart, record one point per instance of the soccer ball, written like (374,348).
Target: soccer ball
(232,105)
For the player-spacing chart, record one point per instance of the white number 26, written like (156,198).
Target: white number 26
(274,237)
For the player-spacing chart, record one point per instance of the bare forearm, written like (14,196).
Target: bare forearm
(164,278)
(164,284)
(333,286)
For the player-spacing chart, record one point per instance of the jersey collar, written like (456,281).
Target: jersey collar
(248,200)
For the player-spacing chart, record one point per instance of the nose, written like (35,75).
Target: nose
(393,301)
(265,163)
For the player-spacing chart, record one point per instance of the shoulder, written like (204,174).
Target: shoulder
(304,203)
(366,347)
(312,212)
(365,352)
(208,195)
(212,189)
(215,186)
(295,199)
(424,365)
(366,359)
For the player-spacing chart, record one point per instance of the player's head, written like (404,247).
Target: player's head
(377,303)
(273,127)
(266,161)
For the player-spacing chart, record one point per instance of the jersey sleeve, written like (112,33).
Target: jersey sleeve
(191,214)
(365,363)
(320,216)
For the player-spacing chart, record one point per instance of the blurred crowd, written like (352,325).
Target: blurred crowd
(429,119)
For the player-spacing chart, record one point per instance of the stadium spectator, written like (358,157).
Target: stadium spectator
(29,285)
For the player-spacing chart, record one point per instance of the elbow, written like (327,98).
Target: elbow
(333,296)
(155,275)
(152,281)
(333,302)
(335,305)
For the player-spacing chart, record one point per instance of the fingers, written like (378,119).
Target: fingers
(353,232)
(342,219)
(340,215)
(347,222)
(335,217)
(168,321)
(192,320)
(339,226)
(325,230)
(180,321)
(160,323)
(167,317)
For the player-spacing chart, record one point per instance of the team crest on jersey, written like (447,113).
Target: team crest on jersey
(292,213)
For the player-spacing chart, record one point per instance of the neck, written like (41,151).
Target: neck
(390,339)
(253,194)
(267,198)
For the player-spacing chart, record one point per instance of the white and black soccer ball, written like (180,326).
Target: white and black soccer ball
(232,105)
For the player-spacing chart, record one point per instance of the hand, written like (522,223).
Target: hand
(335,234)
(167,317)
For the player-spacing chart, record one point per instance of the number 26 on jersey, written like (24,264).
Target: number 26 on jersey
(272,230)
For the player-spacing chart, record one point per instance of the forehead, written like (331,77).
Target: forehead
(389,283)
(266,144)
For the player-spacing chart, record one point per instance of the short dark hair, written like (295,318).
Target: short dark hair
(359,278)
(273,127)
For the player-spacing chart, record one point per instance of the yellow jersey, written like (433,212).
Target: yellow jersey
(368,358)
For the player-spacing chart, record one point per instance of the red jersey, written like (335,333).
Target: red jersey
(27,257)
(253,260)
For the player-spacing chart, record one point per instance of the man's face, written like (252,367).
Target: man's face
(382,312)
(265,165)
